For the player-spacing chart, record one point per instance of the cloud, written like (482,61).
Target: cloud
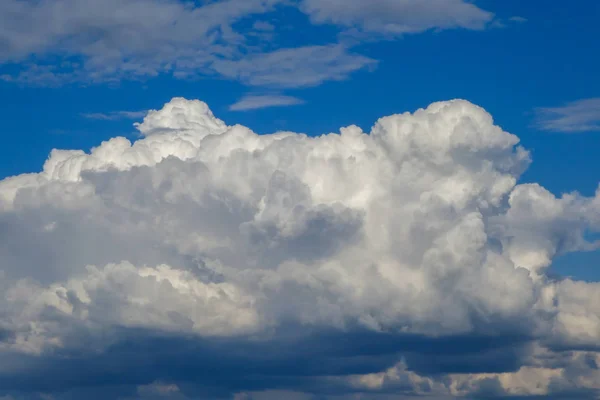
(206,261)
(252,102)
(577,116)
(263,26)
(295,67)
(528,381)
(518,19)
(112,40)
(121,29)
(115,115)
(52,43)
(398,17)
(114,43)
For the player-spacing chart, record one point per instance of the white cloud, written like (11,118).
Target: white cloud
(577,116)
(108,30)
(252,102)
(533,209)
(115,39)
(398,16)
(413,237)
(74,41)
(295,67)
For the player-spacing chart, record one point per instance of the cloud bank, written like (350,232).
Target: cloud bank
(206,261)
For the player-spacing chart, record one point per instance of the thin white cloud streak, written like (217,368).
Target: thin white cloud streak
(253,102)
(577,116)
(518,19)
(115,115)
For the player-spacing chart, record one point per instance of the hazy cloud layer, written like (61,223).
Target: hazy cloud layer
(205,261)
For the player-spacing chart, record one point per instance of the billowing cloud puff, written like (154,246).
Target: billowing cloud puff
(406,260)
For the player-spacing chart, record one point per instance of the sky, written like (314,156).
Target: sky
(299,199)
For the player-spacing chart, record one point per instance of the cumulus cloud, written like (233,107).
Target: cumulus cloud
(407,260)
(577,116)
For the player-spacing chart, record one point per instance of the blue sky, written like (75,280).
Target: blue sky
(75,73)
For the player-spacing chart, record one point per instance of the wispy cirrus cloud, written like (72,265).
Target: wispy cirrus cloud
(115,115)
(253,102)
(577,116)
(518,19)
